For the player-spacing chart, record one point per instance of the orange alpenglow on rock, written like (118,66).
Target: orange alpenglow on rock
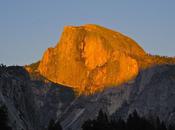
(90,58)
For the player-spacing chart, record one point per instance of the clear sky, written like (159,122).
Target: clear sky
(28,27)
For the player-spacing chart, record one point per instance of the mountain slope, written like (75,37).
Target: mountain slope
(152,94)
(31,103)
(16,94)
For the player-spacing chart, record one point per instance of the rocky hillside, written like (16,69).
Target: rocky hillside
(31,103)
(16,94)
(51,99)
(152,94)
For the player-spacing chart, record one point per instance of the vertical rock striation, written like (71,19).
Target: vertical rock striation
(90,57)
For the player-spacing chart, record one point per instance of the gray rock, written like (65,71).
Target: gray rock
(16,94)
(33,102)
(152,94)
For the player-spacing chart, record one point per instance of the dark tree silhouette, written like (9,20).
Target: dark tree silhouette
(4,118)
(101,123)
(58,126)
(51,124)
(54,126)
(88,125)
(171,127)
(133,122)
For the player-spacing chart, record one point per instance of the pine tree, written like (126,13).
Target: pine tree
(4,118)
(88,125)
(134,122)
(54,126)
(51,125)
(58,126)
(171,127)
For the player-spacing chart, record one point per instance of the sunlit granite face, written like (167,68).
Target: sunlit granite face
(90,58)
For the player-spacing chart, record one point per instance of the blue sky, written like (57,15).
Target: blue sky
(28,27)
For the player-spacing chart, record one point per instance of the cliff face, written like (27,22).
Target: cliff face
(51,99)
(16,94)
(31,103)
(152,94)
(89,58)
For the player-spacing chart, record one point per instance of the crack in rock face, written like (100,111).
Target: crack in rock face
(95,51)
(90,58)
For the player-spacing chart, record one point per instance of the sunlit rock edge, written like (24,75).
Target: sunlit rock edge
(90,58)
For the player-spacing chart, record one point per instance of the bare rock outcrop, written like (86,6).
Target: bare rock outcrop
(151,94)
(16,94)
(90,57)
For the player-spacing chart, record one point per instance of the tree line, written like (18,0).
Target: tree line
(102,122)
(133,122)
